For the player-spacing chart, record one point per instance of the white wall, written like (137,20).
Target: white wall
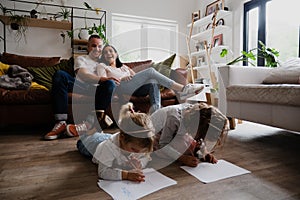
(47,42)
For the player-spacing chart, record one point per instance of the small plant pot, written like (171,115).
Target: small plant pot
(83,34)
(33,14)
(14,26)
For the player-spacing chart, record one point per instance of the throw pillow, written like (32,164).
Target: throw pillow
(138,65)
(164,67)
(284,75)
(3,68)
(28,61)
(43,75)
(36,86)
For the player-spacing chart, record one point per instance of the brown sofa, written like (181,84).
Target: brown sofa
(34,107)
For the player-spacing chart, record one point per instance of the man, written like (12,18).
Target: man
(85,82)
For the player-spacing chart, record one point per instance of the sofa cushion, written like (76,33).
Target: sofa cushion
(164,67)
(287,94)
(139,65)
(284,75)
(43,75)
(28,61)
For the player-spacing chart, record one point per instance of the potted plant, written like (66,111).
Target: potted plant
(269,54)
(19,24)
(85,32)
(64,13)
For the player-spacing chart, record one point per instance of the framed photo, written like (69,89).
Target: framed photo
(200,61)
(196,16)
(217,40)
(216,5)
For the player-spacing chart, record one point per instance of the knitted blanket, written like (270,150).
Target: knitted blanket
(16,78)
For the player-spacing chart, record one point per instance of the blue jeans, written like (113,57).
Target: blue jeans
(87,144)
(63,83)
(145,82)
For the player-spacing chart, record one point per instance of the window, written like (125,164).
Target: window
(140,38)
(277,27)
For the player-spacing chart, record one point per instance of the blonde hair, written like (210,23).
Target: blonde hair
(136,127)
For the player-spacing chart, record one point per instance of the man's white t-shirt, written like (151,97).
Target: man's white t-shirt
(87,62)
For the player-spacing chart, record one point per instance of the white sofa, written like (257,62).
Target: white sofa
(243,96)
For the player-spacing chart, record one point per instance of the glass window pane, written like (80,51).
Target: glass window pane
(139,38)
(127,40)
(283,29)
(253,29)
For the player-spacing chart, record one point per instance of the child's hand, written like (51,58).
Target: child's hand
(135,163)
(188,160)
(209,158)
(136,176)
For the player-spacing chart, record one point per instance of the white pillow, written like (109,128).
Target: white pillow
(289,74)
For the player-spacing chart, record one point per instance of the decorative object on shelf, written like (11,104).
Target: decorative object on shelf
(33,12)
(85,32)
(64,13)
(200,61)
(269,54)
(196,16)
(216,5)
(19,24)
(197,45)
(220,22)
(217,40)
(43,13)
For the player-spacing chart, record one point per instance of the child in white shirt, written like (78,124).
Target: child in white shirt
(183,129)
(121,156)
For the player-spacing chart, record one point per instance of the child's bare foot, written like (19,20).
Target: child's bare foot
(188,160)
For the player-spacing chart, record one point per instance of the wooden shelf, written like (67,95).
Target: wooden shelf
(80,42)
(42,23)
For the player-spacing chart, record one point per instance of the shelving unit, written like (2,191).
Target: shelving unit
(83,15)
(203,31)
(79,47)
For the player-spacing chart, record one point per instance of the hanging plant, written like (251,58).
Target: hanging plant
(19,24)
(64,13)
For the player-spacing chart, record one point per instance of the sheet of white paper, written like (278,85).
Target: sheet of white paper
(207,172)
(124,190)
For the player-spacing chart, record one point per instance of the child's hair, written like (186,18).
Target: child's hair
(211,123)
(136,127)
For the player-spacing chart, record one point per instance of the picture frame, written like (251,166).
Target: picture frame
(196,16)
(217,40)
(216,5)
(200,61)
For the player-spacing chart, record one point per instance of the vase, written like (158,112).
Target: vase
(83,34)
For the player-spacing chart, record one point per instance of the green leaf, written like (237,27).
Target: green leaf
(223,53)
(87,5)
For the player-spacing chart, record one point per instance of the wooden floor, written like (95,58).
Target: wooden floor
(31,168)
